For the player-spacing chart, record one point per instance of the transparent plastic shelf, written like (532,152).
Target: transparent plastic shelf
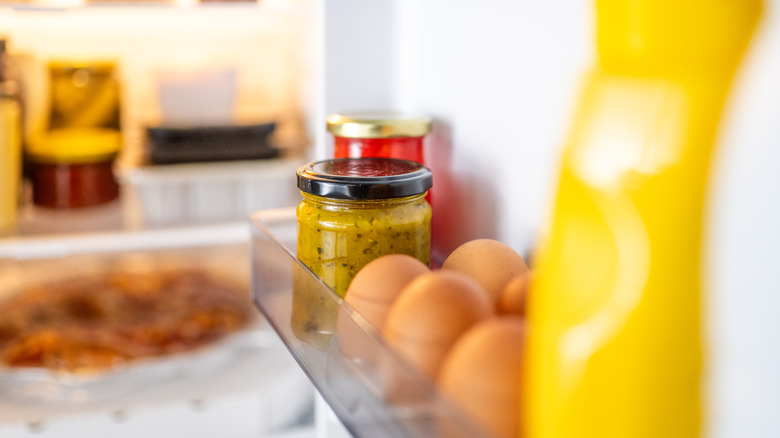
(372,390)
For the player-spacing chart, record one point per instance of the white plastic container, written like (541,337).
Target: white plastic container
(207,192)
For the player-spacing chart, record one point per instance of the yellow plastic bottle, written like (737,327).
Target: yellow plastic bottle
(614,347)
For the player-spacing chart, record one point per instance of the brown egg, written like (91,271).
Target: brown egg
(515,294)
(481,373)
(371,294)
(490,262)
(431,313)
(378,283)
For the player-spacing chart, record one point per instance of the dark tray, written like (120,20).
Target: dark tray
(169,145)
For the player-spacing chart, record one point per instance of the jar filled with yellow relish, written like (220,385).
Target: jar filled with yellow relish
(353,211)
(357,209)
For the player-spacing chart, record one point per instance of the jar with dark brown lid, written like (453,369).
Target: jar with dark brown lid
(355,210)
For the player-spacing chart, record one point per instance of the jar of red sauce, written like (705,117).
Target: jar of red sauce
(73,168)
(379,134)
(70,164)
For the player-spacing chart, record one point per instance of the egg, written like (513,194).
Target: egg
(490,262)
(430,314)
(482,373)
(371,293)
(512,300)
(376,286)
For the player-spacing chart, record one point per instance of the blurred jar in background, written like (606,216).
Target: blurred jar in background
(10,144)
(383,134)
(379,134)
(73,168)
(71,164)
(83,95)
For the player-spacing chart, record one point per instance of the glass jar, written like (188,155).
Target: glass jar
(353,211)
(84,94)
(10,162)
(70,164)
(10,143)
(73,168)
(380,134)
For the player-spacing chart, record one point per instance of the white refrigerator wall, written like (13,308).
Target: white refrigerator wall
(500,79)
(742,241)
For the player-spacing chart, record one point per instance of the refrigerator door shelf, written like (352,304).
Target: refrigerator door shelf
(374,393)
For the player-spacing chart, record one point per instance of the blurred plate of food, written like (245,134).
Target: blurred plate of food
(94,318)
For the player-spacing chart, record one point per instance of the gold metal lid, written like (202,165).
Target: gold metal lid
(378,125)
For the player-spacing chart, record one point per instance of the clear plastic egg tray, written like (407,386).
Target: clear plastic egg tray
(372,390)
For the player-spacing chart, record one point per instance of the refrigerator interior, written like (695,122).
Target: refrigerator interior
(179,65)
(500,80)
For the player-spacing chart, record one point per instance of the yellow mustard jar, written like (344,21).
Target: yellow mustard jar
(353,211)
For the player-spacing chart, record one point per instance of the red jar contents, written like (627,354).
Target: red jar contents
(59,185)
(405,148)
(389,135)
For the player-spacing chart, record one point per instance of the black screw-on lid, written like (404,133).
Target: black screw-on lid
(364,178)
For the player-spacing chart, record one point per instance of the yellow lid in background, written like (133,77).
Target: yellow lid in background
(105,66)
(75,145)
(378,125)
